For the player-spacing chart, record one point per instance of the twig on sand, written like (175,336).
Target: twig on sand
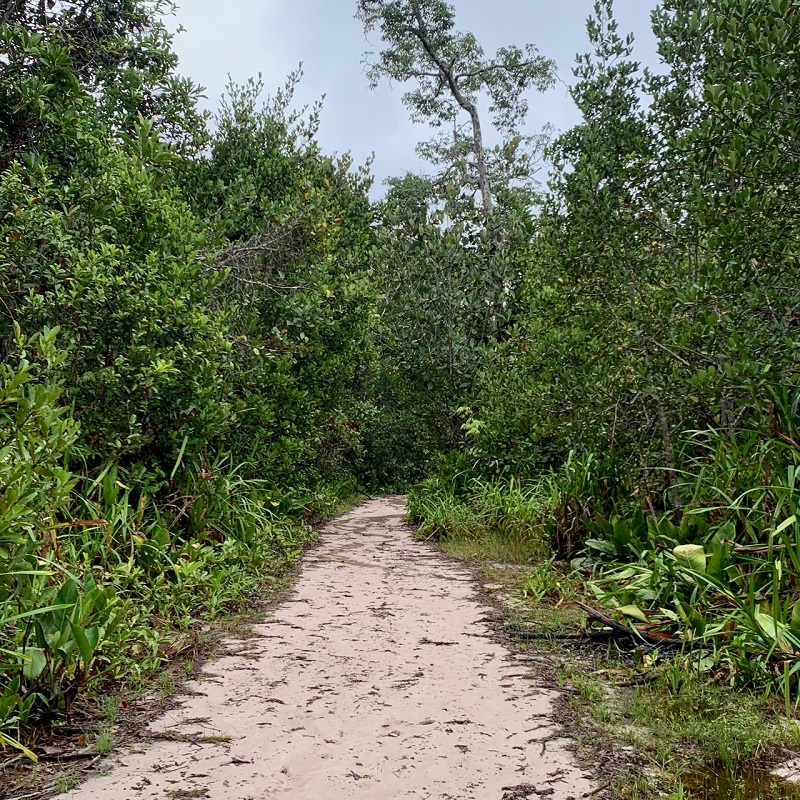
(583,635)
(597,790)
(34,795)
(11,761)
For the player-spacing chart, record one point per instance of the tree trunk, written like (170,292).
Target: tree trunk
(672,471)
(480,160)
(465,103)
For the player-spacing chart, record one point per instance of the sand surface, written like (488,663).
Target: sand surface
(378,679)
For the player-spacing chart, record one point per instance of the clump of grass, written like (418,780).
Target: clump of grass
(66,783)
(483,522)
(551,581)
(725,727)
(109,708)
(686,729)
(102,741)
(167,687)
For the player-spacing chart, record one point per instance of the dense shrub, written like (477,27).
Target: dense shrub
(206,390)
(650,386)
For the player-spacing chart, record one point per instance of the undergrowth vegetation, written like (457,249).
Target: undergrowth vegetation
(99,578)
(723,576)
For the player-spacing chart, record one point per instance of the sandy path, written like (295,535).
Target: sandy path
(379,679)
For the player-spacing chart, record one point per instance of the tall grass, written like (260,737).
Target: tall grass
(483,520)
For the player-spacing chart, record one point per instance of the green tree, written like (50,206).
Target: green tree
(451,72)
(292,228)
(660,284)
(119,51)
(115,260)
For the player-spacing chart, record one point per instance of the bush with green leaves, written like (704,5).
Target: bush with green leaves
(650,385)
(87,566)
(658,301)
(52,623)
(116,263)
(292,231)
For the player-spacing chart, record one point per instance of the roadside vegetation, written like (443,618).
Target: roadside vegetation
(184,311)
(633,414)
(649,719)
(210,337)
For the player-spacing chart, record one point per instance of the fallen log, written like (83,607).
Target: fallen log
(632,632)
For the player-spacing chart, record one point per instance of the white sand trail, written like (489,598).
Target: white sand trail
(379,679)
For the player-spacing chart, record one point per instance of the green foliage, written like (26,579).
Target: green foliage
(213,303)
(118,50)
(609,371)
(642,323)
(727,572)
(35,432)
(293,231)
(482,520)
(449,295)
(649,385)
(144,360)
(418,34)
(86,571)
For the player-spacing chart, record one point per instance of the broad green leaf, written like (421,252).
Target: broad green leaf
(774,631)
(84,646)
(36,662)
(633,612)
(785,524)
(669,614)
(717,563)
(691,557)
(602,546)
(794,622)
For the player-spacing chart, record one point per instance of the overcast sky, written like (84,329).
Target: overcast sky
(243,38)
